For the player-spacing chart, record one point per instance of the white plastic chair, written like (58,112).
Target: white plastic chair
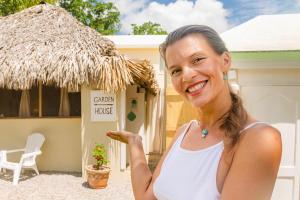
(32,149)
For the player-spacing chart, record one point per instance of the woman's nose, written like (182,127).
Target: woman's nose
(188,74)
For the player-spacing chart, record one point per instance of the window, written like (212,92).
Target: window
(9,103)
(50,100)
(39,101)
(75,103)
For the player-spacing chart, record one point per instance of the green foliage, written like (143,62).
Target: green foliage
(103,17)
(148,28)
(8,7)
(100,154)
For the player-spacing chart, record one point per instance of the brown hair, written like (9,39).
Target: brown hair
(235,119)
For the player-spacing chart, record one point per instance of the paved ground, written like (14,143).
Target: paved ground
(63,186)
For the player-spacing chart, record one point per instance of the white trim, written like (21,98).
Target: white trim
(287,172)
(137,41)
(297,161)
(122,121)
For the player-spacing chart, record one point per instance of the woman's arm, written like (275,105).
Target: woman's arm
(255,165)
(141,177)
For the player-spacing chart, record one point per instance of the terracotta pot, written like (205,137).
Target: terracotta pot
(97,178)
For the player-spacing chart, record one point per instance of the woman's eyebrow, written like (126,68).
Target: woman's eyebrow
(199,53)
(171,67)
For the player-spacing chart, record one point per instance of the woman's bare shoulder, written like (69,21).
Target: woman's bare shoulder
(260,144)
(262,140)
(255,164)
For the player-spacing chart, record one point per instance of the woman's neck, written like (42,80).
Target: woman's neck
(210,114)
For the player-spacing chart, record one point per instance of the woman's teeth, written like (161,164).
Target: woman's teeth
(197,87)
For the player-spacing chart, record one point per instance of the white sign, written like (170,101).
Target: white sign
(103,106)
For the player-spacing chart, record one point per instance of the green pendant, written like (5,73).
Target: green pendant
(204,133)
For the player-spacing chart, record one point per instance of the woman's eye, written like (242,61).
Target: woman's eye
(197,60)
(175,72)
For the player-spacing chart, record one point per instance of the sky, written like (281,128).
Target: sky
(219,14)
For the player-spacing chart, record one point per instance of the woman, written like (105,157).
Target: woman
(224,154)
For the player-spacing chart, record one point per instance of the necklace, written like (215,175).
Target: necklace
(204,133)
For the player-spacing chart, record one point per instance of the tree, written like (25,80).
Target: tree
(103,17)
(148,28)
(8,7)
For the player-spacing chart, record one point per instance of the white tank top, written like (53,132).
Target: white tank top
(190,175)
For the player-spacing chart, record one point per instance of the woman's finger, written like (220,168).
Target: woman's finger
(116,136)
(112,134)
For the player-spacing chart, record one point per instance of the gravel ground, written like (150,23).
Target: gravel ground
(64,186)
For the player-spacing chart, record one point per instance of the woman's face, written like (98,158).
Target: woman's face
(196,70)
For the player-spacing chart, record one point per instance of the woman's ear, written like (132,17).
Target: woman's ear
(226,59)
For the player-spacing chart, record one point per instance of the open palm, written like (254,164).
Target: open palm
(122,136)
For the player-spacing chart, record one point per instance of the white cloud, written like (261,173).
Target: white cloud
(129,6)
(172,15)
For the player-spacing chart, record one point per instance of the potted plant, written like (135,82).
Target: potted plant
(98,174)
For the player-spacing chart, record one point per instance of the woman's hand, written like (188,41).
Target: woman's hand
(123,136)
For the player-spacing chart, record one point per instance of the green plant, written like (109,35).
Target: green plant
(100,154)
(103,16)
(148,28)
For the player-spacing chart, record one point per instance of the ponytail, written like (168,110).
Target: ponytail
(234,120)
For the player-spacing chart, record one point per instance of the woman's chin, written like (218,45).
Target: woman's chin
(199,103)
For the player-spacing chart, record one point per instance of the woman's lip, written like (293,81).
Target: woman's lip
(197,92)
(195,84)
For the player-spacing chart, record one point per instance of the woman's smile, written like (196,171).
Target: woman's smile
(197,88)
(193,66)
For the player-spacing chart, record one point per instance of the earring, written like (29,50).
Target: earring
(225,76)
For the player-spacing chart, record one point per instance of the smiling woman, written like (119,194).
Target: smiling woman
(198,58)
(212,156)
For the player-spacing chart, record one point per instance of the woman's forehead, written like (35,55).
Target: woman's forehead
(188,46)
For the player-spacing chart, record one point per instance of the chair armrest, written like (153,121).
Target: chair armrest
(27,155)
(3,154)
(14,150)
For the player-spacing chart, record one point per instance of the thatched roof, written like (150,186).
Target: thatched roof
(45,43)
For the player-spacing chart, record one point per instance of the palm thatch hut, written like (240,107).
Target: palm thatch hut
(45,46)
